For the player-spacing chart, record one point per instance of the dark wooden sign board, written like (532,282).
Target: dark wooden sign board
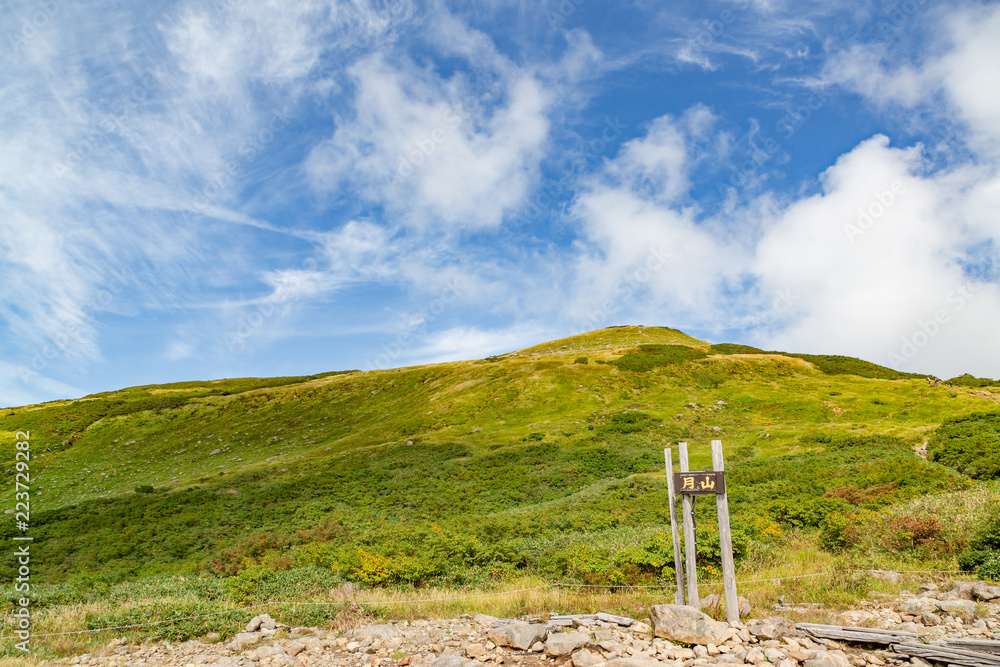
(700,483)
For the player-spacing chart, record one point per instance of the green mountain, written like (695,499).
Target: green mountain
(546,460)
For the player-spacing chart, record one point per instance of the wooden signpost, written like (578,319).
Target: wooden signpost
(688,484)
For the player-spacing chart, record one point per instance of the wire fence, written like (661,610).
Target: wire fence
(295,603)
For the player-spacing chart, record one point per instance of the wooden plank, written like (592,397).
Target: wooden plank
(690,559)
(668,458)
(859,637)
(725,540)
(848,633)
(949,655)
(981,645)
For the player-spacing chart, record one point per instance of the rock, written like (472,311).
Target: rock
(963,607)
(754,656)
(269,652)
(564,643)
(684,624)
(244,639)
(632,662)
(618,620)
(213,637)
(385,631)
(294,648)
(984,592)
(816,662)
(744,606)
(930,588)
(214,452)
(885,575)
(710,603)
(475,650)
(774,656)
(930,618)
(254,624)
(775,627)
(640,628)
(917,606)
(519,636)
(483,619)
(452,660)
(537,647)
(585,658)
(961,591)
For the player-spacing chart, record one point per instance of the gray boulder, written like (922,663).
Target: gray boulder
(519,636)
(984,592)
(962,607)
(775,627)
(632,662)
(585,658)
(685,624)
(917,606)
(385,631)
(452,660)
(564,643)
(961,591)
(618,620)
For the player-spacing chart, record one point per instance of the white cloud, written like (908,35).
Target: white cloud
(423,146)
(475,343)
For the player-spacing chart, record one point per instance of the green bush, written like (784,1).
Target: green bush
(580,360)
(649,357)
(733,348)
(970,444)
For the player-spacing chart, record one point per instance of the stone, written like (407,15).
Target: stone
(928,589)
(475,650)
(774,656)
(564,643)
(537,647)
(744,605)
(885,575)
(930,618)
(586,658)
(483,619)
(254,624)
(816,662)
(775,627)
(244,639)
(294,648)
(754,656)
(640,628)
(710,603)
(519,636)
(684,624)
(384,631)
(984,592)
(269,652)
(917,606)
(961,591)
(963,607)
(632,662)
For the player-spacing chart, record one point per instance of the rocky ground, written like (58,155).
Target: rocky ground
(674,636)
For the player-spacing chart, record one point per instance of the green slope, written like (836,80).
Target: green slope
(548,458)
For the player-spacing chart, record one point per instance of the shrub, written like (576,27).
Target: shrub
(144,488)
(580,360)
(910,532)
(970,444)
(649,357)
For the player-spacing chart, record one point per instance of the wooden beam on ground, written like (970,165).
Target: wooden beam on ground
(852,634)
(954,656)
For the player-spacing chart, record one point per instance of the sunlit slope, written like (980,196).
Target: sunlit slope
(192,433)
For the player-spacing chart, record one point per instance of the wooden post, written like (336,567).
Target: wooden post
(725,541)
(690,558)
(678,560)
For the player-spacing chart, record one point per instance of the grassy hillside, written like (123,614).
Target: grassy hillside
(546,460)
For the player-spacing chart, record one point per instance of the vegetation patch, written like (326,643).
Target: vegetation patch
(970,444)
(649,357)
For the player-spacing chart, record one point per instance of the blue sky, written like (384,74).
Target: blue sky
(241,188)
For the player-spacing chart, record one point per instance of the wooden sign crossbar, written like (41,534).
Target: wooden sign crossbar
(688,484)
